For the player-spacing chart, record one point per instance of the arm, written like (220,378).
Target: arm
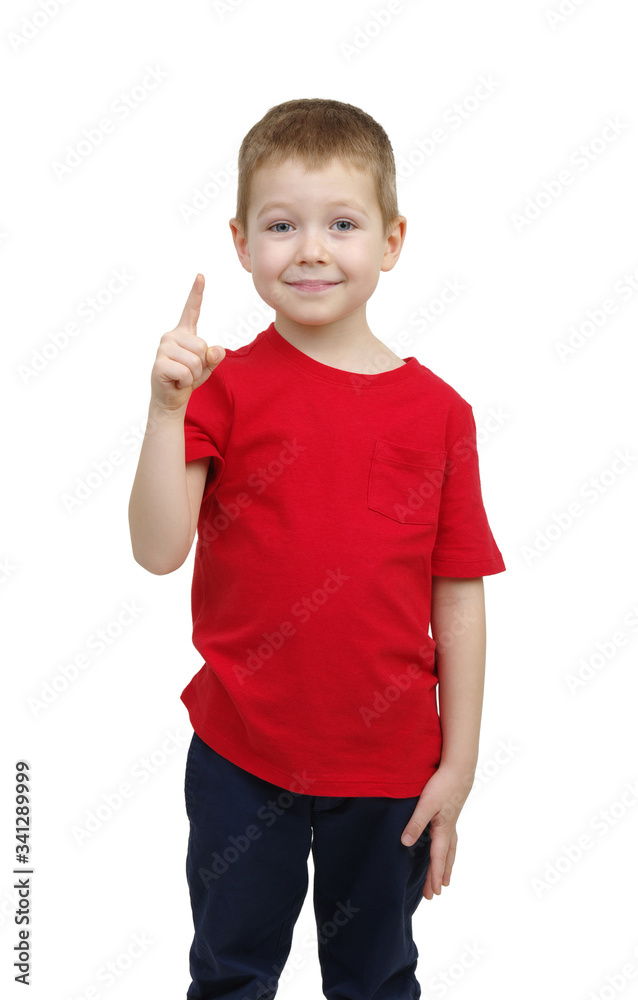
(166,494)
(458,628)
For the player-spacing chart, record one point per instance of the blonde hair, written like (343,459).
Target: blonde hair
(313,131)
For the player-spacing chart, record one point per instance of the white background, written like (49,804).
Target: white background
(545,919)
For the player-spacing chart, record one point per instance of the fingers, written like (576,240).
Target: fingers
(442,855)
(184,361)
(438,855)
(193,356)
(177,374)
(190,314)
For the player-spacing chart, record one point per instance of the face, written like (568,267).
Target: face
(315,243)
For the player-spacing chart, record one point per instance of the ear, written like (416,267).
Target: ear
(241,244)
(394,243)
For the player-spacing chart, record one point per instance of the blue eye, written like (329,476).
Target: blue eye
(339,221)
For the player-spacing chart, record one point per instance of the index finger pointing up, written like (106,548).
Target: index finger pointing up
(193,305)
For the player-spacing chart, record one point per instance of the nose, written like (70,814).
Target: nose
(310,249)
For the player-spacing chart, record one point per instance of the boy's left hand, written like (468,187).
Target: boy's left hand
(439,805)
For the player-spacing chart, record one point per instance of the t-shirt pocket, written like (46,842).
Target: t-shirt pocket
(405,483)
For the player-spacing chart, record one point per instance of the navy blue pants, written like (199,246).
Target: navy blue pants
(248,876)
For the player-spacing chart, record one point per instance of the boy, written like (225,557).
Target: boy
(336,496)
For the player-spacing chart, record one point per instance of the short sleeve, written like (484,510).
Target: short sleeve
(207,425)
(464,544)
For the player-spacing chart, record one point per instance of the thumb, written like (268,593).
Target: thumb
(415,826)
(214,355)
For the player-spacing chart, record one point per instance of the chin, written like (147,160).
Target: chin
(308,320)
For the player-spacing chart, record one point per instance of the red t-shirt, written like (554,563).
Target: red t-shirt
(331,499)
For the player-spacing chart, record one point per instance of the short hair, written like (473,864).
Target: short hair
(313,131)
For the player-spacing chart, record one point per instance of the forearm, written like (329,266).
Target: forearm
(458,628)
(159,508)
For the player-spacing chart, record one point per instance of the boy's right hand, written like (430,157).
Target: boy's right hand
(184,361)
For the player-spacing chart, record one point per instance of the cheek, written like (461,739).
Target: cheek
(360,269)
(263,272)
(271,262)
(360,260)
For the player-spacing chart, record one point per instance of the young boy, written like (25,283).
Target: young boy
(335,491)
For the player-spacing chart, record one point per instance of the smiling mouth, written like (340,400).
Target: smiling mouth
(313,286)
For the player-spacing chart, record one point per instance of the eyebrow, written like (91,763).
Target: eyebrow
(336,203)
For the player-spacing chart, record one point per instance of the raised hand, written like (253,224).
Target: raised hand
(184,361)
